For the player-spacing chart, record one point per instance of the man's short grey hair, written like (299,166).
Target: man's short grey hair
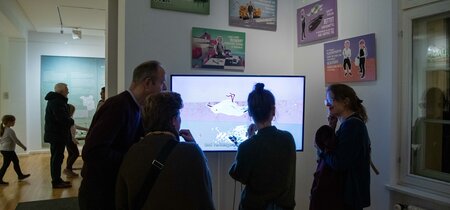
(145,70)
(60,87)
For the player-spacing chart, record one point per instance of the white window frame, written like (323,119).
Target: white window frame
(431,188)
(406,4)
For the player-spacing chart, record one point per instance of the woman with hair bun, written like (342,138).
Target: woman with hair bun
(265,163)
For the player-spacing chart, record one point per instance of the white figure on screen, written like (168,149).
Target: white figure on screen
(228,107)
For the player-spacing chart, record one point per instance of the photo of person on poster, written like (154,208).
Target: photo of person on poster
(256,14)
(250,9)
(219,47)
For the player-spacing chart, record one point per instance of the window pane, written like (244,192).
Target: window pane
(430,143)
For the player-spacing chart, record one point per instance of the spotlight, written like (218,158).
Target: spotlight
(76,33)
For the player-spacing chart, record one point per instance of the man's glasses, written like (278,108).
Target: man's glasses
(328,101)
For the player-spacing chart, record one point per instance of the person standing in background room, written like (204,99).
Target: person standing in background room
(72,145)
(114,128)
(8,141)
(184,182)
(351,157)
(265,163)
(57,131)
(102,98)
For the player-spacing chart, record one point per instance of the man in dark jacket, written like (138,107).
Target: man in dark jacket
(115,127)
(57,131)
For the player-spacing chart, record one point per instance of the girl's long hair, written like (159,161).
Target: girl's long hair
(6,119)
(342,91)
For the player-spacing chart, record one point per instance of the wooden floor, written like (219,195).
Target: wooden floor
(38,186)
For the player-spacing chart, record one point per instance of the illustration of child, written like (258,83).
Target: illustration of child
(347,54)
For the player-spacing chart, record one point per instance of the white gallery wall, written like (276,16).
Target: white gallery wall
(12,83)
(13,47)
(165,36)
(355,18)
(57,45)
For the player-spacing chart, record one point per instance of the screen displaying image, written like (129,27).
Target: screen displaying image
(216,112)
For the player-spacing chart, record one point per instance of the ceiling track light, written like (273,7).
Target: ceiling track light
(76,30)
(76,33)
(60,20)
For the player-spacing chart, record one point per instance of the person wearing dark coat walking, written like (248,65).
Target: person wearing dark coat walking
(57,131)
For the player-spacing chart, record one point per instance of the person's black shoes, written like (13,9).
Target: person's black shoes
(69,173)
(61,185)
(24,176)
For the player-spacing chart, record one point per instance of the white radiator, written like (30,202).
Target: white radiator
(407,207)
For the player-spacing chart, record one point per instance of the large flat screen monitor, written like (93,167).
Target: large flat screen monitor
(215,107)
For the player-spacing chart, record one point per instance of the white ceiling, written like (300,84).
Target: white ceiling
(88,15)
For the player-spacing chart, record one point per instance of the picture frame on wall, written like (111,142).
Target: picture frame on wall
(351,60)
(218,49)
(191,6)
(317,22)
(257,14)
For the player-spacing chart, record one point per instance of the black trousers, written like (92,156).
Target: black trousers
(97,191)
(73,153)
(347,63)
(347,207)
(56,160)
(8,157)
(362,66)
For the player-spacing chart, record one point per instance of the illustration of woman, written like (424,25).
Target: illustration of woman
(362,58)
